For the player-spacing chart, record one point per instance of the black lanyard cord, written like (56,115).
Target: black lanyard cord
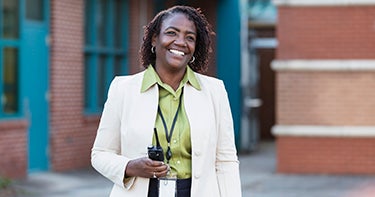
(168,137)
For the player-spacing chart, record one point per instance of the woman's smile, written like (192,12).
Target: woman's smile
(177,52)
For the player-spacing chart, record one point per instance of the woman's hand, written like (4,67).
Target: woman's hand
(147,168)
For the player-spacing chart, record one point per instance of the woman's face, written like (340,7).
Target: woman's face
(175,44)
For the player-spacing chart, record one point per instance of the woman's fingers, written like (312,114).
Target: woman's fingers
(147,168)
(160,169)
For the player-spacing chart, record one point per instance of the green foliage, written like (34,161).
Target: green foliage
(4,182)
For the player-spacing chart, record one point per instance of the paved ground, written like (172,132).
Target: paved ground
(258,179)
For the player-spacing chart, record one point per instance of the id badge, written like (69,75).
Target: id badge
(167,187)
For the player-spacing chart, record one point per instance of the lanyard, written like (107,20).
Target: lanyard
(169,152)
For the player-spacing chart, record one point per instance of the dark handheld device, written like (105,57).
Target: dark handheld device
(155,152)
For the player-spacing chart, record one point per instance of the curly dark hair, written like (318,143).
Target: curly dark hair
(203,40)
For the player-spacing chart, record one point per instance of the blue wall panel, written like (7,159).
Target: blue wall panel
(228,56)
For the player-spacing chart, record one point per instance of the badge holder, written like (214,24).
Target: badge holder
(167,187)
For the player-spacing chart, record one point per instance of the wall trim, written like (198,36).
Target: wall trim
(323,65)
(323,2)
(323,131)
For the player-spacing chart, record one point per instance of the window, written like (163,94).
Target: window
(105,49)
(34,10)
(262,11)
(9,54)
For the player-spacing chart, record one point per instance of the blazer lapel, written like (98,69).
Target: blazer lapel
(199,108)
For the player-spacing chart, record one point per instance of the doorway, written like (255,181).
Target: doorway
(34,76)
(259,88)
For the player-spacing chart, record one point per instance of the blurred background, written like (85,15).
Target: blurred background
(299,75)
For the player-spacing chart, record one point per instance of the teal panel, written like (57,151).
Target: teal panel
(34,83)
(228,56)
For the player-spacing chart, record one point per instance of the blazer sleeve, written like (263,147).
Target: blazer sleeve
(227,164)
(106,155)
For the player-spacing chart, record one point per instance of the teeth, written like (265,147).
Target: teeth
(177,52)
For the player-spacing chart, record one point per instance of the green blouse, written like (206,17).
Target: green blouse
(180,162)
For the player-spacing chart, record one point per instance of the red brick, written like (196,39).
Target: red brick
(13,148)
(325,155)
(326,32)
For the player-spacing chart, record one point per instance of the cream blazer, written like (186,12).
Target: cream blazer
(126,129)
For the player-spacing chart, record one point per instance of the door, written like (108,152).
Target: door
(258,93)
(266,89)
(34,63)
(251,102)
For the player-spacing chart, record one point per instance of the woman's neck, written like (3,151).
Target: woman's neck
(171,78)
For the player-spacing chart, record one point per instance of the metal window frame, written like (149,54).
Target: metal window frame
(14,43)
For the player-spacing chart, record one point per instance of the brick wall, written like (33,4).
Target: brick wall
(326,155)
(69,141)
(134,39)
(326,32)
(13,148)
(328,98)
(140,13)
(209,9)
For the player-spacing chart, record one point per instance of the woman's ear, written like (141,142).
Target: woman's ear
(153,40)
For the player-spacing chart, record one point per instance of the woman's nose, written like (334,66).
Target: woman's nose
(180,41)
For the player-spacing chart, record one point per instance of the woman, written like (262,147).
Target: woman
(189,112)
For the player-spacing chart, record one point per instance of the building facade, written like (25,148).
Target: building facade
(57,58)
(325,63)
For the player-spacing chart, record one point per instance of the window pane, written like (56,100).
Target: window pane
(10,18)
(10,81)
(262,10)
(118,23)
(89,22)
(119,70)
(101,81)
(102,20)
(88,81)
(34,10)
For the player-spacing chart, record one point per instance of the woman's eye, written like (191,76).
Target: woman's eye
(171,33)
(190,38)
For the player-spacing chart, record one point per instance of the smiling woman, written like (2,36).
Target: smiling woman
(174,48)
(185,113)
(201,35)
